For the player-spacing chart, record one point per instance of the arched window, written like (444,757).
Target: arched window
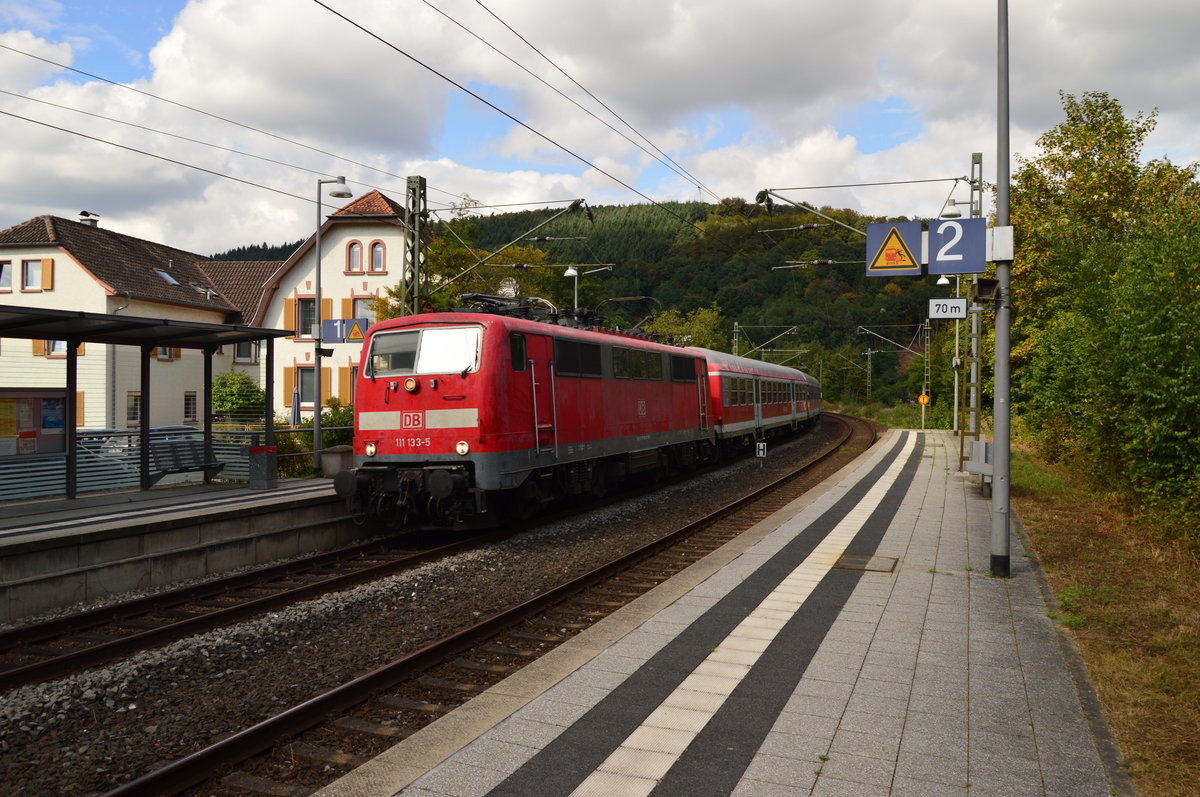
(354,256)
(377,261)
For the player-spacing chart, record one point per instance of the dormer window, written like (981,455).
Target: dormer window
(166,277)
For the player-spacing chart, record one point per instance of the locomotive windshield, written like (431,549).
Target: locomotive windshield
(425,351)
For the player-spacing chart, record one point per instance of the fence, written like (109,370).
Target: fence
(111,460)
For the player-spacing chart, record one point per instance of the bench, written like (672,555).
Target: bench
(181,456)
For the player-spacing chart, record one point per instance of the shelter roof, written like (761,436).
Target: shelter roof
(76,325)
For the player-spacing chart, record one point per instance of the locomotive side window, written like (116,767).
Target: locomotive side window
(573,358)
(636,364)
(683,369)
(425,351)
(516,344)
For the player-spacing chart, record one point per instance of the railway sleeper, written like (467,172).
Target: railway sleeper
(323,755)
(480,666)
(259,785)
(529,636)
(358,725)
(408,704)
(562,624)
(516,653)
(447,685)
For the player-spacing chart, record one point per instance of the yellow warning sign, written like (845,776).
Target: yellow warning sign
(355,332)
(893,255)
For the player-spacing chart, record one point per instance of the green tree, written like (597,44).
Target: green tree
(700,327)
(237,398)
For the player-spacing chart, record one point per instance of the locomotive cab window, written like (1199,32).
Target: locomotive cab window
(425,351)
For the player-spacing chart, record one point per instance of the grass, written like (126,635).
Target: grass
(1131,601)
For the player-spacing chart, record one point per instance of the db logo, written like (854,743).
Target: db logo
(641,408)
(412,420)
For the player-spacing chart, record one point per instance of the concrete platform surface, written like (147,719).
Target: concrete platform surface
(781,666)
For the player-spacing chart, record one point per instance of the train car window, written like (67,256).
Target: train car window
(425,351)
(574,358)
(516,344)
(683,369)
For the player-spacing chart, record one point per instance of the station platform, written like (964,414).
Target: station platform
(99,511)
(851,644)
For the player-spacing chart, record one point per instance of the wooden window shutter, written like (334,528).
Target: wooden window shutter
(289,384)
(79,349)
(176,354)
(289,316)
(47,273)
(326,385)
(344,387)
(326,308)
(79,408)
(39,348)
(347,308)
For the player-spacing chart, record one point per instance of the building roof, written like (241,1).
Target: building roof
(241,281)
(372,203)
(124,264)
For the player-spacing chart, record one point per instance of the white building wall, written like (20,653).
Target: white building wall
(340,286)
(107,374)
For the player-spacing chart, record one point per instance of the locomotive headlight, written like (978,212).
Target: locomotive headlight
(369,449)
(411,384)
(462,447)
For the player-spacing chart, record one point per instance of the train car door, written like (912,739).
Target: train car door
(540,357)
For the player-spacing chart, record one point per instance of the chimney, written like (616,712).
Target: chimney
(88,218)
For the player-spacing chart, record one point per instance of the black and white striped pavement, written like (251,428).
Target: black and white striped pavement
(768,670)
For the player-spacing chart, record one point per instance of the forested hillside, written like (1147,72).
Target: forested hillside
(263,251)
(733,257)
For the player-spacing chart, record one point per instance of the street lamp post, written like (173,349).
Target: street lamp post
(573,271)
(338,190)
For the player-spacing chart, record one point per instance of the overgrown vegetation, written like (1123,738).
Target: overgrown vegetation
(1106,295)
(1131,600)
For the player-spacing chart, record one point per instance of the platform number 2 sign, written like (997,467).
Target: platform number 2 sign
(957,246)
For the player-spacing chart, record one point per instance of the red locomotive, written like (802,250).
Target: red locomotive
(459,414)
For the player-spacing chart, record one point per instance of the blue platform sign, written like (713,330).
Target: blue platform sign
(894,249)
(957,246)
(344,330)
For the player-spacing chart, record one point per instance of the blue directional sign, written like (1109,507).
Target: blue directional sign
(894,249)
(957,246)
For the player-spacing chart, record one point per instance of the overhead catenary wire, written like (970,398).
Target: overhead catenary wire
(159,157)
(218,117)
(504,113)
(231,150)
(662,157)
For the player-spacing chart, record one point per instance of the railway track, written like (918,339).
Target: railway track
(312,744)
(40,652)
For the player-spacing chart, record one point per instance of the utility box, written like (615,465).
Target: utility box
(264,467)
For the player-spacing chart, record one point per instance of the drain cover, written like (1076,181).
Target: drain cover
(865,561)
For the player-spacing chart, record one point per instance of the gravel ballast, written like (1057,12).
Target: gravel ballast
(91,732)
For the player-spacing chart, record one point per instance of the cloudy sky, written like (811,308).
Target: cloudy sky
(237,108)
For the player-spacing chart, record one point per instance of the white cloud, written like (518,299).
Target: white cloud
(744,96)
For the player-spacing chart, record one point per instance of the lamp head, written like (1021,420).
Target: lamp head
(338,188)
(570,272)
(943,280)
(950,209)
